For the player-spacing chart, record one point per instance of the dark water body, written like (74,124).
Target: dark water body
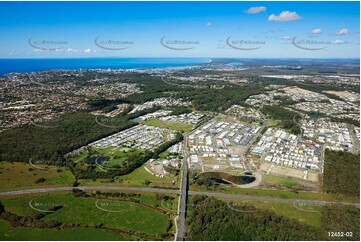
(100,160)
(33,65)
(220,181)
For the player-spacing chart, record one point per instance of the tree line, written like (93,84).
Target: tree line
(210,219)
(341,173)
(285,116)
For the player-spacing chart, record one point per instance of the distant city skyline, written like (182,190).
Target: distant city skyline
(180,29)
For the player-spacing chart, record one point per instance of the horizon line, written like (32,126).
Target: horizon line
(244,58)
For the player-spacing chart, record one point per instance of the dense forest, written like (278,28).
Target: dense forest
(211,219)
(203,97)
(107,105)
(286,117)
(346,120)
(341,219)
(51,140)
(341,173)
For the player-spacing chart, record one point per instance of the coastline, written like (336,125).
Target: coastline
(8,66)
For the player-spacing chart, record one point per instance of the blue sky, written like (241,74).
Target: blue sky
(253,29)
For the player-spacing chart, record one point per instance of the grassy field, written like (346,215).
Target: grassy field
(19,175)
(163,154)
(116,156)
(140,175)
(112,213)
(170,125)
(265,193)
(272,123)
(283,181)
(136,178)
(74,234)
(311,217)
(79,157)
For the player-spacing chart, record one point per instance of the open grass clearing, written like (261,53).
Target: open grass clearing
(265,193)
(20,175)
(283,181)
(169,125)
(112,213)
(140,175)
(304,213)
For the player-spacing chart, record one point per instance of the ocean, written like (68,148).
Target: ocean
(33,65)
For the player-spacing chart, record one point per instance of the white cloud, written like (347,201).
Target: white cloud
(209,24)
(89,51)
(287,37)
(316,32)
(254,10)
(72,50)
(342,41)
(284,16)
(343,32)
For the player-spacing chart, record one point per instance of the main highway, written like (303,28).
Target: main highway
(182,207)
(170,191)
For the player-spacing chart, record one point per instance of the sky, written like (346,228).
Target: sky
(180,29)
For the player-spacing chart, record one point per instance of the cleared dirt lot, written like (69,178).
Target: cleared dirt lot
(296,90)
(340,93)
(277,170)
